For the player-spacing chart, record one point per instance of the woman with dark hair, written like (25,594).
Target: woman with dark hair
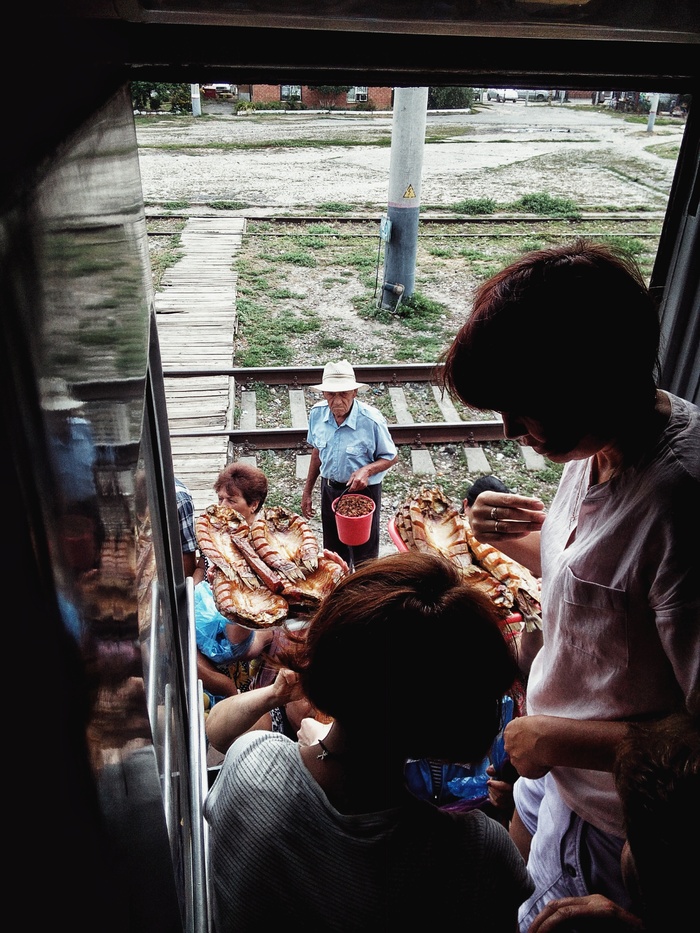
(327,835)
(620,600)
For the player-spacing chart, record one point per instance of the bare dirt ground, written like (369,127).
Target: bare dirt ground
(500,151)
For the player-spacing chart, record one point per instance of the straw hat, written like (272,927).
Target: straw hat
(339,377)
(56,397)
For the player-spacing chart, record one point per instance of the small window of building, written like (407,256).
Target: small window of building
(290,91)
(357,95)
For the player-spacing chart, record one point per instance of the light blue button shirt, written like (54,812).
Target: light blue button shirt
(361,439)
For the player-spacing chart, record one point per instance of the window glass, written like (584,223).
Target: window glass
(290,92)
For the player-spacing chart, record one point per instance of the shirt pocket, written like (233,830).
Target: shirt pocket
(359,451)
(595,621)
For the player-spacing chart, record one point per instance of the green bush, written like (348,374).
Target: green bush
(154,96)
(450,98)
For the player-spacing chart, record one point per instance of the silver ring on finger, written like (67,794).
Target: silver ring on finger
(496,528)
(494,515)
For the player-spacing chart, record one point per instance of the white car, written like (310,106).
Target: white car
(538,96)
(505,94)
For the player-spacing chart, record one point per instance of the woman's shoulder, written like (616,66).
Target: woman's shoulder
(256,750)
(683,434)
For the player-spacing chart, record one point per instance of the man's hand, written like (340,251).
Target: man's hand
(535,744)
(525,739)
(307,507)
(593,912)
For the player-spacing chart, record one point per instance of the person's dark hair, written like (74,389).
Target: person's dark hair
(248,480)
(657,775)
(360,653)
(568,331)
(484,483)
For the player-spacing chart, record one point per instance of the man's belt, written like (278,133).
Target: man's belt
(332,483)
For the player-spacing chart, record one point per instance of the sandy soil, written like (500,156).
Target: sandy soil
(502,152)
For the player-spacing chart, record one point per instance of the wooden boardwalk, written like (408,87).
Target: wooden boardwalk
(196,317)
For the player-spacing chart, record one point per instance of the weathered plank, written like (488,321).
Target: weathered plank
(196,319)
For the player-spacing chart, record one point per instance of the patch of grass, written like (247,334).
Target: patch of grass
(334,207)
(359,259)
(266,336)
(529,244)
(321,229)
(441,252)
(312,242)
(285,294)
(627,244)
(175,205)
(439,134)
(473,254)
(331,344)
(228,205)
(419,308)
(296,257)
(665,150)
(543,203)
(474,206)
(164,251)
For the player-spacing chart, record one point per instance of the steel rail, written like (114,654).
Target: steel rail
(311,375)
(415,435)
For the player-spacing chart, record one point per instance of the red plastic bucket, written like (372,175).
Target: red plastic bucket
(354,529)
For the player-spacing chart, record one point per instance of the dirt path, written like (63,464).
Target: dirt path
(501,152)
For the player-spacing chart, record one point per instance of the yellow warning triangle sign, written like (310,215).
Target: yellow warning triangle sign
(409,192)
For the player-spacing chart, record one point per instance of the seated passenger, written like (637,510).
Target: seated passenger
(220,642)
(327,836)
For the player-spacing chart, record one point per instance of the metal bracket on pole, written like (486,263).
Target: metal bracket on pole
(389,290)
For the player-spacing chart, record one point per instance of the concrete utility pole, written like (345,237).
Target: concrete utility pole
(196,100)
(405,169)
(652,112)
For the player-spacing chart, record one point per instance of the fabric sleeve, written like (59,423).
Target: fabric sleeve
(185,514)
(385,448)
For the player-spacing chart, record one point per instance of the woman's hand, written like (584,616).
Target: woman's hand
(497,516)
(572,913)
(500,792)
(311,730)
(286,687)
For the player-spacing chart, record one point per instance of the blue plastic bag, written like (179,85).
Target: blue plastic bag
(210,627)
(466,785)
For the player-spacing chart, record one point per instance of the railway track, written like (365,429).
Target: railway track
(392,393)
(488,222)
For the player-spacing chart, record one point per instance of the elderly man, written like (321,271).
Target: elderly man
(352,448)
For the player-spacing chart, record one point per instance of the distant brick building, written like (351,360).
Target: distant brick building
(357,98)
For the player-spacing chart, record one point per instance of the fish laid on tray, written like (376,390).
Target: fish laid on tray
(429,521)
(263,569)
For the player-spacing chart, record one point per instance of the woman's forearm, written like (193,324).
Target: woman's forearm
(233,716)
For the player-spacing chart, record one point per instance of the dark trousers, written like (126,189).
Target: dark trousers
(357,553)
